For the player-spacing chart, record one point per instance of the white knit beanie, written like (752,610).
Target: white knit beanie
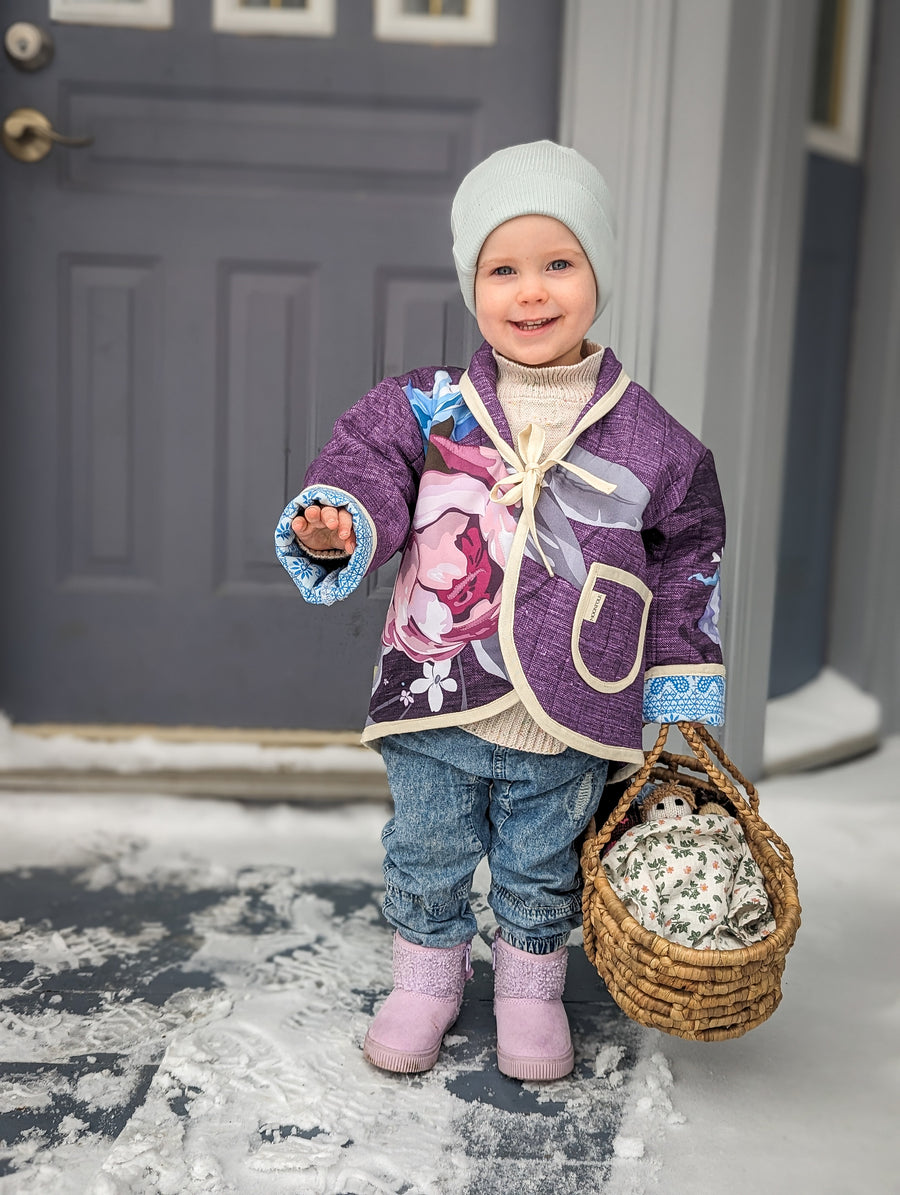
(540,178)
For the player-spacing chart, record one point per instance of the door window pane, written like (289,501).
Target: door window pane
(840,75)
(274,4)
(436,8)
(292,18)
(147,14)
(451,22)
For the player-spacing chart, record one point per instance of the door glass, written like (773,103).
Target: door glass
(148,14)
(436,8)
(840,78)
(309,18)
(453,22)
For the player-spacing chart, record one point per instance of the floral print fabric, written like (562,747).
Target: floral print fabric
(443,402)
(692,880)
(447,592)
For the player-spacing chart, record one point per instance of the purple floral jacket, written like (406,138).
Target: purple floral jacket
(584,583)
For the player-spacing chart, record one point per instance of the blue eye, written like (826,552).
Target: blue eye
(504,270)
(559,264)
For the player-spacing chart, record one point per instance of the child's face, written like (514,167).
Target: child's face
(535,294)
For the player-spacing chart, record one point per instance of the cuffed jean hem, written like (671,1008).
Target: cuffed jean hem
(534,928)
(534,945)
(426,926)
(537,929)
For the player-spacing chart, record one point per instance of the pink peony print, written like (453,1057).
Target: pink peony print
(447,591)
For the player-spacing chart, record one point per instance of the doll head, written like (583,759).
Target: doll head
(668,800)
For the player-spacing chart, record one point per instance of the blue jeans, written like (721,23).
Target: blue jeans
(458,798)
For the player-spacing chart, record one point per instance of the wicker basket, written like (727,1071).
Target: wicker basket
(702,995)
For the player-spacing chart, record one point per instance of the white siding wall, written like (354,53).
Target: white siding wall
(695,111)
(865,631)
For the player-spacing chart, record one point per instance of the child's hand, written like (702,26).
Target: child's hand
(325,528)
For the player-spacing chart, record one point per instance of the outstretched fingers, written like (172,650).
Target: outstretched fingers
(325,528)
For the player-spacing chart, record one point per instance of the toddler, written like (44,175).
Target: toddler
(558,586)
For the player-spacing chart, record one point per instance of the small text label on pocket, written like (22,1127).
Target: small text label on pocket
(596,605)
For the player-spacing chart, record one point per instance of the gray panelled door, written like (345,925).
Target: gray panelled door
(258,231)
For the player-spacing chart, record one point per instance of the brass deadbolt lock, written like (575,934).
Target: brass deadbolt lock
(28,47)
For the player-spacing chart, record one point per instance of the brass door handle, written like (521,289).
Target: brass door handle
(29,136)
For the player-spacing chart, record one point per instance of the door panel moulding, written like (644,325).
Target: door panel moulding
(145,139)
(110,329)
(268,315)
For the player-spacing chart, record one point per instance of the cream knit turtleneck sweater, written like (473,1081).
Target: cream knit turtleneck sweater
(553,396)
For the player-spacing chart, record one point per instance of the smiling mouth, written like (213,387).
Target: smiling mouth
(532,325)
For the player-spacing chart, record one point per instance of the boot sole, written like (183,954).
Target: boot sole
(400,1061)
(536,1068)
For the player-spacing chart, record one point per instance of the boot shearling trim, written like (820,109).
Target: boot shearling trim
(439,972)
(522,976)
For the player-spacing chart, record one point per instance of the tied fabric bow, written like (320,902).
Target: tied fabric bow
(525,482)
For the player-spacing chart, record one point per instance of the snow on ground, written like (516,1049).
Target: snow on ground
(808,1103)
(823,722)
(197,1028)
(21,750)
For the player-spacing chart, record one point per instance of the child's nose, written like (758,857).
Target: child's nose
(532,288)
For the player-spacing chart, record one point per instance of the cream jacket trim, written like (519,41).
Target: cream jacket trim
(687,670)
(528,466)
(514,668)
(517,674)
(461,718)
(588,609)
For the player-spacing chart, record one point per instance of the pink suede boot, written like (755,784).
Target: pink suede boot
(409,1027)
(533,1040)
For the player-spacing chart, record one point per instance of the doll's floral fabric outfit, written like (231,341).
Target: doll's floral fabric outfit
(692,880)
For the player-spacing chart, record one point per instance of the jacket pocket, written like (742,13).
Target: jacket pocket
(609,628)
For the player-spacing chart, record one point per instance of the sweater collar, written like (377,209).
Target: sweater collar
(545,379)
(483,373)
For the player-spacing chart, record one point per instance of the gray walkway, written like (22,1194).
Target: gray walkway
(190,1022)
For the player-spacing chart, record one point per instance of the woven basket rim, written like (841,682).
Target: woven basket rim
(628,974)
(663,947)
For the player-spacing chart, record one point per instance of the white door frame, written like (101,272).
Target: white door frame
(865,614)
(696,112)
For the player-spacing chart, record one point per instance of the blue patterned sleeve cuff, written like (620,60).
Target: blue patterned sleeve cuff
(685,697)
(321,586)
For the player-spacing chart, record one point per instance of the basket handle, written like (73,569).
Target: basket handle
(706,748)
(698,732)
(640,779)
